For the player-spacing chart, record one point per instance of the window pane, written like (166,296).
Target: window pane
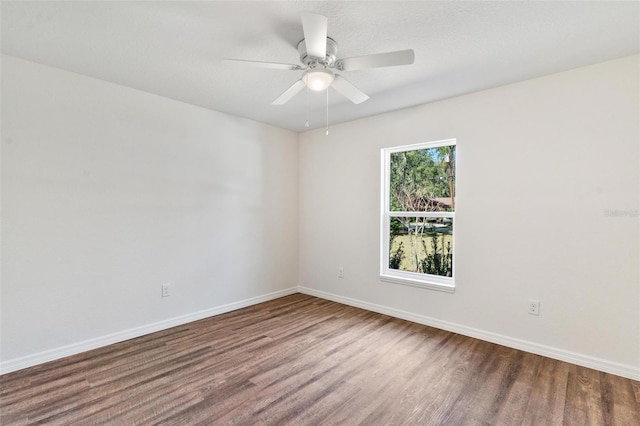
(422,245)
(423,180)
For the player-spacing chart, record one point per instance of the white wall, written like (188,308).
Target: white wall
(547,208)
(108,192)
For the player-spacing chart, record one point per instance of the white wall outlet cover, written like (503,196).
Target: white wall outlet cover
(165,290)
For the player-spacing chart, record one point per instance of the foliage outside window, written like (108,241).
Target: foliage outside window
(418,212)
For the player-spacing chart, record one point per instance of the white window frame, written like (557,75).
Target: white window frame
(416,279)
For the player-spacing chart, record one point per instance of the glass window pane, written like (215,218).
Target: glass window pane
(423,180)
(423,245)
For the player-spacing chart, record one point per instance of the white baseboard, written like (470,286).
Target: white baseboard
(76,348)
(599,364)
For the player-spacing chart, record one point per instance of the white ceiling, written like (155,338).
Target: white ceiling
(174,48)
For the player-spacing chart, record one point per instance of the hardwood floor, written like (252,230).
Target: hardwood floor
(301,360)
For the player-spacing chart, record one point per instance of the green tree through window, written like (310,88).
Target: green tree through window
(418,211)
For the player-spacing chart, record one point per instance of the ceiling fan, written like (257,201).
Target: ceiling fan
(318,56)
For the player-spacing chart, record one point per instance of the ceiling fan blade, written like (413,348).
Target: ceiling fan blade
(258,64)
(289,93)
(314,27)
(348,90)
(389,59)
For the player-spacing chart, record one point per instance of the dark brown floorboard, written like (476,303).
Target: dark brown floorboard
(301,360)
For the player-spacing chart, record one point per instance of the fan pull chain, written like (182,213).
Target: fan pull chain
(306,123)
(327,131)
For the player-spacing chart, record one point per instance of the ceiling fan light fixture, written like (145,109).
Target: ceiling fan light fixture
(318,79)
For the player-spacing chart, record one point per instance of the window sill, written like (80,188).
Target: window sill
(429,284)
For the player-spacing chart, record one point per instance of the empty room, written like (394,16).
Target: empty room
(332,212)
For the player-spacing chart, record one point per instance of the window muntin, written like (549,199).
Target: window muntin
(418,214)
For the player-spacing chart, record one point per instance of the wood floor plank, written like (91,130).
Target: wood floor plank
(549,389)
(301,360)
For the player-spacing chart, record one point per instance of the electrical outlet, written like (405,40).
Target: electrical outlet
(533,307)
(166,290)
(340,272)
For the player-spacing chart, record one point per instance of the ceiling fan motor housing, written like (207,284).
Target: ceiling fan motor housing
(327,61)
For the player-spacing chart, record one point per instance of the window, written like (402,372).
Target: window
(418,214)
